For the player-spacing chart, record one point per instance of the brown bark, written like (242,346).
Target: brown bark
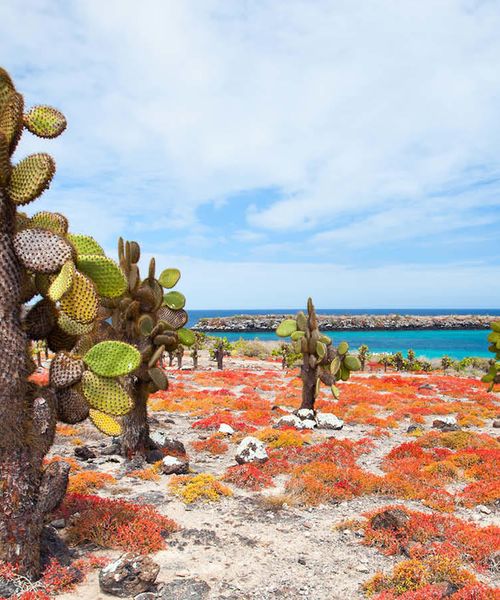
(27,424)
(135,439)
(309,377)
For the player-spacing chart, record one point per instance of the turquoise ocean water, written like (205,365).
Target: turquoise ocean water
(426,343)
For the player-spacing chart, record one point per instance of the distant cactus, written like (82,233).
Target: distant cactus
(39,258)
(446,363)
(150,316)
(493,375)
(199,344)
(398,361)
(363,355)
(410,359)
(221,347)
(321,361)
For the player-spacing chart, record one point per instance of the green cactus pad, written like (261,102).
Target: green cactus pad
(53,221)
(81,302)
(45,121)
(174,300)
(343,347)
(335,365)
(296,335)
(320,350)
(159,378)
(352,363)
(72,327)
(30,178)
(5,167)
(105,423)
(85,245)
(335,392)
(169,278)
(112,359)
(145,325)
(63,281)
(301,321)
(105,273)
(42,251)
(105,394)
(286,328)
(11,118)
(186,337)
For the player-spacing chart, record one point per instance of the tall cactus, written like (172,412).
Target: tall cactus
(38,257)
(321,361)
(493,375)
(150,316)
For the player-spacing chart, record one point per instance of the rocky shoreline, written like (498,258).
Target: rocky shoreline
(258,323)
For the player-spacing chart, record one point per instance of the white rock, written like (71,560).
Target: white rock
(308,424)
(484,509)
(305,414)
(290,421)
(447,420)
(329,421)
(251,450)
(173,465)
(225,428)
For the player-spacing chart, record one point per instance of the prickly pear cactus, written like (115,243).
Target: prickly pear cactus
(150,316)
(493,375)
(321,361)
(49,295)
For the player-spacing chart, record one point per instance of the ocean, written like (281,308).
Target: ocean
(426,343)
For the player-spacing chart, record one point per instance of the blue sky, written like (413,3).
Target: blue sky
(277,149)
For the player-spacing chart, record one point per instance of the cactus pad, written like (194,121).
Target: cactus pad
(174,300)
(186,337)
(72,327)
(71,406)
(85,244)
(81,302)
(65,370)
(45,121)
(5,167)
(105,273)
(112,359)
(58,340)
(42,251)
(63,282)
(343,347)
(352,363)
(286,328)
(11,118)
(169,278)
(105,423)
(40,320)
(30,178)
(105,394)
(159,378)
(47,220)
(175,319)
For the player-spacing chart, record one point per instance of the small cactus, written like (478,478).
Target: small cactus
(493,375)
(321,361)
(150,316)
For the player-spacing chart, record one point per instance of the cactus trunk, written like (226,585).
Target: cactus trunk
(309,378)
(135,438)
(27,424)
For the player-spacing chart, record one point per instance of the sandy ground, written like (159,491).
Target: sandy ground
(240,546)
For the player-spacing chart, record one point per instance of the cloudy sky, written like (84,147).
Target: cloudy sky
(275,149)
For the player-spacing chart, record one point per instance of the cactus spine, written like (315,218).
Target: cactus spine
(38,258)
(321,361)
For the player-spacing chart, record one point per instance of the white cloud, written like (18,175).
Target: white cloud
(362,114)
(263,285)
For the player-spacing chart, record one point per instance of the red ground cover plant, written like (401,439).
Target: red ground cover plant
(248,476)
(115,523)
(213,445)
(214,422)
(440,549)
(85,482)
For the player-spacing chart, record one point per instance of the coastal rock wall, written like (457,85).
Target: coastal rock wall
(250,323)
